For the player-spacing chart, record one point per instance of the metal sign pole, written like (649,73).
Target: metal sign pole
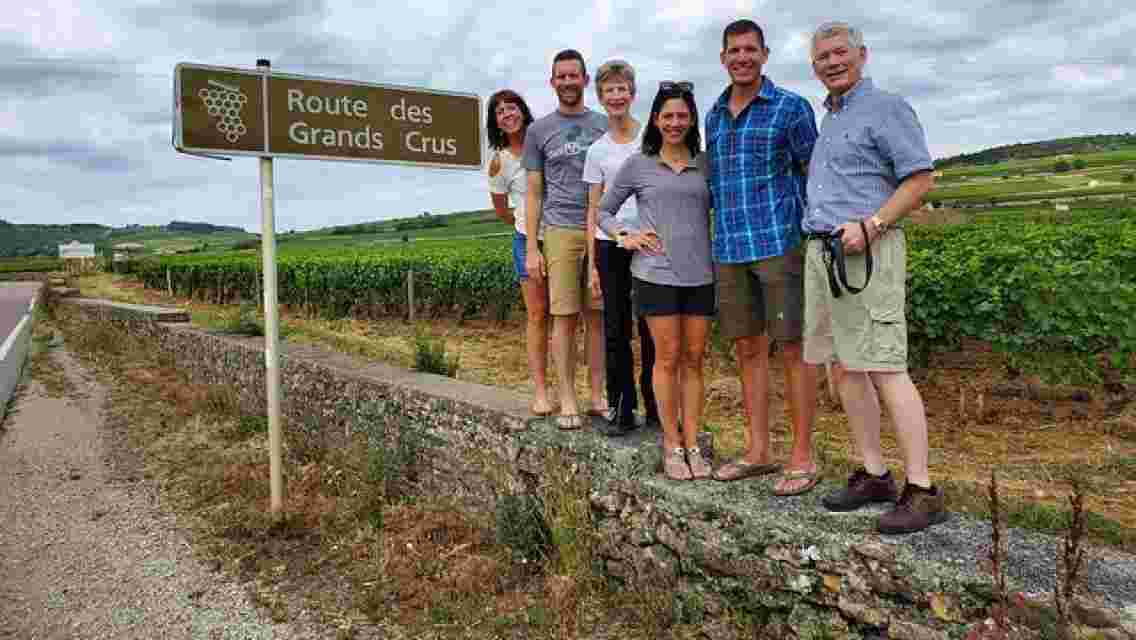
(271,326)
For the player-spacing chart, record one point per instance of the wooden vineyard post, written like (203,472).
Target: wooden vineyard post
(410,294)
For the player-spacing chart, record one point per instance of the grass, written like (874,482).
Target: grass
(428,568)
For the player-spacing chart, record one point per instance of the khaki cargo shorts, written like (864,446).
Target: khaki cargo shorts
(763,297)
(866,331)
(565,253)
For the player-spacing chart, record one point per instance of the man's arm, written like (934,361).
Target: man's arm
(907,198)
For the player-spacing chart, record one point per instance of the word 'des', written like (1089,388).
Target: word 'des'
(249,112)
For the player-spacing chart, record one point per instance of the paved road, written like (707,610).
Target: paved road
(14,300)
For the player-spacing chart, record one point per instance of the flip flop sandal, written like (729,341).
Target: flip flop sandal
(570,422)
(740,469)
(812,477)
(674,465)
(699,468)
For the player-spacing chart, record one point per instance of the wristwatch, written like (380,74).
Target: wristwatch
(620,236)
(879,225)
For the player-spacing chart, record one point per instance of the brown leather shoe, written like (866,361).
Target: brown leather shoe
(915,511)
(863,488)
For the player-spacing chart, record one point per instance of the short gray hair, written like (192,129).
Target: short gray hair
(836,28)
(612,70)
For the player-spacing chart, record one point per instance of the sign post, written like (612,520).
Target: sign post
(228,111)
(271,324)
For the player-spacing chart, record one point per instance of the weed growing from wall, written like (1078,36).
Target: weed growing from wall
(430,355)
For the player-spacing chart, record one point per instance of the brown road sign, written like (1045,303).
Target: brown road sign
(241,112)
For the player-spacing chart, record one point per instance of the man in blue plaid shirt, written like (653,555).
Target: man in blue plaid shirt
(759,138)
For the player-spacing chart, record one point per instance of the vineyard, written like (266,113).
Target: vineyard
(467,278)
(1024,281)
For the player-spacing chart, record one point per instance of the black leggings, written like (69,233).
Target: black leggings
(614,266)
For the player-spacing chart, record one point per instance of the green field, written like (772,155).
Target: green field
(463,224)
(1036,179)
(30,265)
(158,241)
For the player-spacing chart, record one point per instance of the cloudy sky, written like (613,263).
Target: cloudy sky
(85,85)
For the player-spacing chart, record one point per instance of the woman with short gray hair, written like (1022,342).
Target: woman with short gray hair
(610,265)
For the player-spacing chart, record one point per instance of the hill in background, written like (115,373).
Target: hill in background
(1042,149)
(18,240)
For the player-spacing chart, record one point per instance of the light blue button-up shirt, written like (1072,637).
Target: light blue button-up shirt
(870,141)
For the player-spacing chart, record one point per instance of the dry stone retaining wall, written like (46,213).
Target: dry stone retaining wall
(785,562)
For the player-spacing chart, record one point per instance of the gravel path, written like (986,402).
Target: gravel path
(88,553)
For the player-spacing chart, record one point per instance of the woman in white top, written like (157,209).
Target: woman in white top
(508,119)
(610,265)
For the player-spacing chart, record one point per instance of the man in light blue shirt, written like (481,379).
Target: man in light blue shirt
(870,168)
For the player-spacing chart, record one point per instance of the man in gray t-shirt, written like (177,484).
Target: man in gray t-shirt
(556,145)
(555,149)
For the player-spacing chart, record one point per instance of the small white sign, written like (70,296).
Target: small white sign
(76,250)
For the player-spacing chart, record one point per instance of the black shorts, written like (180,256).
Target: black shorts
(668,300)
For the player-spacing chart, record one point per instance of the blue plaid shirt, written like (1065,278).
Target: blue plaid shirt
(757,187)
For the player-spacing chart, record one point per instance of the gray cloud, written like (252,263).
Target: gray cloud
(86,134)
(78,154)
(249,14)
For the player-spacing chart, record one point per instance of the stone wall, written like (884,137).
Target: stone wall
(786,562)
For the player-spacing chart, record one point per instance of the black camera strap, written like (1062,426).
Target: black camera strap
(834,262)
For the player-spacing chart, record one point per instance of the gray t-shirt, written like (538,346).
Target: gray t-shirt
(677,207)
(556,145)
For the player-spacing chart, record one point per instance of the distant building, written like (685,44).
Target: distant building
(78,257)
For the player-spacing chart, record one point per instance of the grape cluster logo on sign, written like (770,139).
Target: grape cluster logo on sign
(224,102)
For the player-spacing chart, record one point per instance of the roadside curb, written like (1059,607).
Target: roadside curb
(14,353)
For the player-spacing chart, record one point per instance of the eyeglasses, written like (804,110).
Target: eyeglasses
(682,86)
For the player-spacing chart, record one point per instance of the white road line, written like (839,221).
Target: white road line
(10,341)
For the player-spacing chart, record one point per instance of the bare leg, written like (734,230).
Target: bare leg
(594,327)
(564,352)
(858,395)
(905,406)
(535,295)
(665,332)
(800,385)
(752,354)
(694,332)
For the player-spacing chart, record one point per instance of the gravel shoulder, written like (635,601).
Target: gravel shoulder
(86,550)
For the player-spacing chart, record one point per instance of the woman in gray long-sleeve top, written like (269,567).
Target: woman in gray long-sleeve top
(674,277)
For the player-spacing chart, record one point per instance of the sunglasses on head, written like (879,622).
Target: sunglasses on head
(670,86)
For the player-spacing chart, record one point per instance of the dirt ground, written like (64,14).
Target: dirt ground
(981,418)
